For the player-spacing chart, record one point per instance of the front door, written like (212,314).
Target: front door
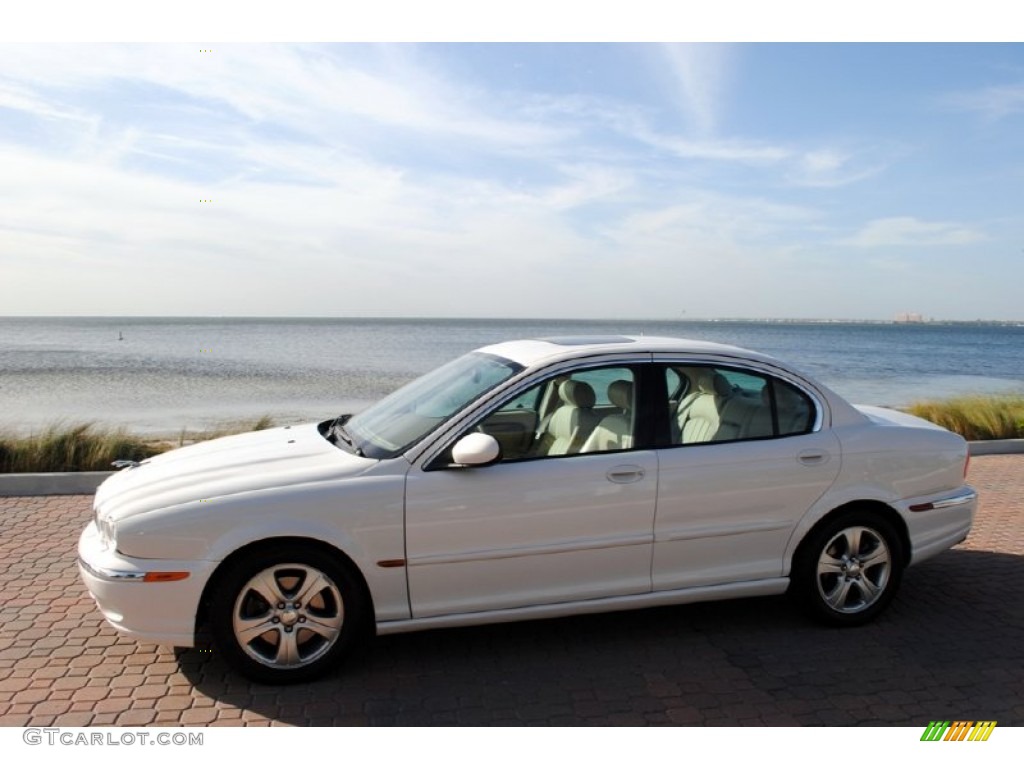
(569,515)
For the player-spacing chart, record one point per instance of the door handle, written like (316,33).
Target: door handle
(812,457)
(625,474)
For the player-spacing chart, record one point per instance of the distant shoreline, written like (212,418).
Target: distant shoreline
(540,320)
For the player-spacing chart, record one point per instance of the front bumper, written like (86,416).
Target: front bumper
(161,612)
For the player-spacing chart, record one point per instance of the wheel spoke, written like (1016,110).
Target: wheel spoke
(314,583)
(829,564)
(327,627)
(879,556)
(247,630)
(287,650)
(852,537)
(870,589)
(838,596)
(266,586)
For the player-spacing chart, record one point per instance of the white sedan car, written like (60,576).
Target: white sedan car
(528,479)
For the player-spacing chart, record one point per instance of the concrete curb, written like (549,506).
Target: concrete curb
(993,447)
(73,483)
(52,483)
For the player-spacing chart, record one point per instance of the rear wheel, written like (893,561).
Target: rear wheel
(286,616)
(848,571)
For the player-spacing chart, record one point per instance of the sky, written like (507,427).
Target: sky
(563,180)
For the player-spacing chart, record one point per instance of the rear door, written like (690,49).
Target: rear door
(731,492)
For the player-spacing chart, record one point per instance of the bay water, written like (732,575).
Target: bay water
(163,375)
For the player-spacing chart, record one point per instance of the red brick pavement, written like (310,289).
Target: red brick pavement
(951,647)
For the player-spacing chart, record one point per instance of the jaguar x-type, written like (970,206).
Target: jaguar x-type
(529,479)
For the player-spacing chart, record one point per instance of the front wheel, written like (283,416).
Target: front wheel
(286,616)
(848,571)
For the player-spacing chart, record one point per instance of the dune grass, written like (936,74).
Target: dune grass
(87,447)
(976,417)
(74,448)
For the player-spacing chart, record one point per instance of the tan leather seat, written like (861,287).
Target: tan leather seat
(754,417)
(572,422)
(615,431)
(699,414)
(793,410)
(745,415)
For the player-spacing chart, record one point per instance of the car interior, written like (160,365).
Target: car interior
(594,411)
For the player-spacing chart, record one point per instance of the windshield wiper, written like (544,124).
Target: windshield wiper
(337,430)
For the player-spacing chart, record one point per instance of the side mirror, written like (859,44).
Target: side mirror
(476,450)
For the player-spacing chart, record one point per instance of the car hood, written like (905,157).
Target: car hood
(254,461)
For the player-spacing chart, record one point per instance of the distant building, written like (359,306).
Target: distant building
(908,317)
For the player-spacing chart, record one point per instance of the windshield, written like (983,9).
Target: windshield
(410,413)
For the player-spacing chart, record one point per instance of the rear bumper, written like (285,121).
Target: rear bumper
(940,521)
(156,612)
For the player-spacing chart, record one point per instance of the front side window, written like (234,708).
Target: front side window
(709,404)
(410,413)
(588,411)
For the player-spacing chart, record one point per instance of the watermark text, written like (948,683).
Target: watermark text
(71,737)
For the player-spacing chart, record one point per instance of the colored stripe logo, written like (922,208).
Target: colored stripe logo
(959,730)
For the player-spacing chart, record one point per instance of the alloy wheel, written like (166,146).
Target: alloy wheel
(288,616)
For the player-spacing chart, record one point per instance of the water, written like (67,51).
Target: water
(169,374)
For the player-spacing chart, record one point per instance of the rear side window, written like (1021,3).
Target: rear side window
(794,410)
(710,404)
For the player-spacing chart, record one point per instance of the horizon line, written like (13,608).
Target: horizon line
(662,319)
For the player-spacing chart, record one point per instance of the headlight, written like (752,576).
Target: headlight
(108,531)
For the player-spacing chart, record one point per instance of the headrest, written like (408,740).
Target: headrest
(786,397)
(710,382)
(620,392)
(577,393)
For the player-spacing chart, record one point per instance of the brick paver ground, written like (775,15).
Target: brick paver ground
(950,647)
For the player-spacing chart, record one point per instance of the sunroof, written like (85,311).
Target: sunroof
(579,341)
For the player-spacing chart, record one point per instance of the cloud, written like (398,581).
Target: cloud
(722,150)
(994,102)
(909,231)
(699,76)
(327,93)
(375,180)
(830,168)
(22,99)
(699,224)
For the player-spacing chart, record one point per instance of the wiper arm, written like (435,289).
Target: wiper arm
(338,430)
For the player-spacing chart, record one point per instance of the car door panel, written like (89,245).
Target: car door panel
(530,532)
(726,511)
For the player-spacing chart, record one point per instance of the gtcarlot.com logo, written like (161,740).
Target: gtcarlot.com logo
(71,737)
(958,730)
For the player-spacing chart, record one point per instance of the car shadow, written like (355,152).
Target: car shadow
(951,646)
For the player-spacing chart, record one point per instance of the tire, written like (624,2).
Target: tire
(847,571)
(287,615)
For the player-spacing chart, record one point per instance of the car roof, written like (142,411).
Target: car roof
(532,352)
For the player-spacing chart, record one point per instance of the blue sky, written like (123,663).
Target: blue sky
(519,180)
